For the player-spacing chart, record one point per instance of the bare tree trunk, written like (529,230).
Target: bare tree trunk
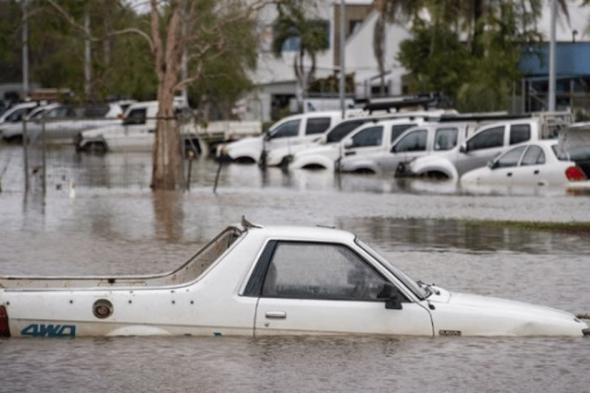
(167,170)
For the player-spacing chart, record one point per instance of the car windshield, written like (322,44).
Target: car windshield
(422,292)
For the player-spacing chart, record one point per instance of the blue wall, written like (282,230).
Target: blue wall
(571,59)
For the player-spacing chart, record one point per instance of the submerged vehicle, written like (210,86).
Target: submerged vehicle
(254,281)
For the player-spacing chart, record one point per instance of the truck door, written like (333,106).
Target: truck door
(311,288)
(480,149)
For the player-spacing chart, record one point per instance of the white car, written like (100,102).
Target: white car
(64,122)
(538,164)
(16,113)
(134,133)
(13,132)
(424,139)
(318,153)
(371,137)
(487,142)
(286,133)
(256,281)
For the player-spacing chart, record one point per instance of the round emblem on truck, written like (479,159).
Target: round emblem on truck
(102,308)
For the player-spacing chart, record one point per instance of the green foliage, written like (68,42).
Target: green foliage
(435,58)
(122,64)
(480,72)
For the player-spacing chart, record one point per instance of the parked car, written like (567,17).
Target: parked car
(418,141)
(488,142)
(134,133)
(16,113)
(288,132)
(312,155)
(62,123)
(13,132)
(537,164)
(258,281)
(369,138)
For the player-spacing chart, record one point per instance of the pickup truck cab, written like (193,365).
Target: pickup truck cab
(256,281)
(370,137)
(418,141)
(134,133)
(488,141)
(138,120)
(286,133)
(318,153)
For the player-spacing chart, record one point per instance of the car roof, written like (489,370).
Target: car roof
(305,233)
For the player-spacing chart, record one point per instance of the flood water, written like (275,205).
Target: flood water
(100,217)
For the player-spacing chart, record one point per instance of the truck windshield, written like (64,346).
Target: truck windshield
(412,285)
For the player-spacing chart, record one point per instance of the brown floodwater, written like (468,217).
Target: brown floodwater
(100,217)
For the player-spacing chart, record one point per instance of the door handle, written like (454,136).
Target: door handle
(276,315)
(349,153)
(509,174)
(536,172)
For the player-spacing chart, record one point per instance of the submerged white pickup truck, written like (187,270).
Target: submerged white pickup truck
(257,281)
(488,142)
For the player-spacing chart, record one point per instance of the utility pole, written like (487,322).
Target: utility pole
(25,66)
(25,48)
(551,98)
(87,55)
(342,57)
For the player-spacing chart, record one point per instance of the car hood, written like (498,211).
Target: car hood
(489,316)
(321,149)
(97,132)
(254,142)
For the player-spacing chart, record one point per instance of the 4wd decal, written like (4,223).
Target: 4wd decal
(42,330)
(449,332)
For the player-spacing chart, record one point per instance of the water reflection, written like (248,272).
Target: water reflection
(472,236)
(168,214)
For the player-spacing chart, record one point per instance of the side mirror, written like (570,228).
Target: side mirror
(463,148)
(391,296)
(348,143)
(492,164)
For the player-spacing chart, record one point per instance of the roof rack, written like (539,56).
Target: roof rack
(386,104)
(480,117)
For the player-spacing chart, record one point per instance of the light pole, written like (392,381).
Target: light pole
(551,98)
(342,57)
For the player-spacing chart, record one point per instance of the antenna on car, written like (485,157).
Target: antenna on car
(247,224)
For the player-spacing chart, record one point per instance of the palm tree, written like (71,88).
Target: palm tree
(292,22)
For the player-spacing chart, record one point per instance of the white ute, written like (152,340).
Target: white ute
(489,141)
(287,132)
(256,281)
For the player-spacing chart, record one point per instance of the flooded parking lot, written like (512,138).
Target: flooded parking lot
(100,217)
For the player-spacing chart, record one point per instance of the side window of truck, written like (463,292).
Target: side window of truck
(372,136)
(399,129)
(414,141)
(135,116)
(317,125)
(445,138)
(286,130)
(487,139)
(519,133)
(343,129)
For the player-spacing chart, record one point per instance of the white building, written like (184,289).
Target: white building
(276,85)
